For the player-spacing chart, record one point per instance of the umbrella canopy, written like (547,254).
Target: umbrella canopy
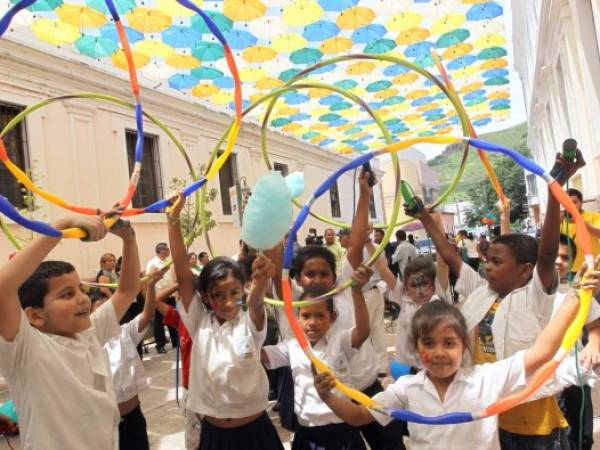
(123,6)
(182,61)
(288,42)
(204,90)
(355,17)
(336,44)
(404,21)
(147,20)
(306,56)
(158,72)
(207,73)
(80,16)
(55,32)
(178,36)
(483,11)
(258,53)
(208,51)
(302,12)
(181,81)
(243,9)
(139,60)
(96,46)
(224,24)
(240,39)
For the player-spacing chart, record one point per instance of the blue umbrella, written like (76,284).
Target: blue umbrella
(109,31)
(435,111)
(429,83)
(380,46)
(452,38)
(245,104)
(320,30)
(299,117)
(500,101)
(208,51)
(96,46)
(500,107)
(223,23)
(475,101)
(341,106)
(346,84)
(181,37)
(396,100)
(424,61)
(395,69)
(378,85)
(338,122)
(42,5)
(419,49)
(293,98)
(496,81)
(329,117)
(337,5)
(352,131)
(368,33)
(181,81)
(461,62)
(330,99)
(326,142)
(393,121)
(492,53)
(495,73)
(474,94)
(280,121)
(324,69)
(484,11)
(482,122)
(240,39)
(310,134)
(421,101)
(365,122)
(426,133)
(207,73)
(287,75)
(306,55)
(224,82)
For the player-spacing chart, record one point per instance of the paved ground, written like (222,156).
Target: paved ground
(165,421)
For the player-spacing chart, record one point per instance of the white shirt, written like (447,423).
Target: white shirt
(335,350)
(128,374)
(403,254)
(405,351)
(62,387)
(472,390)
(227,379)
(156,264)
(529,308)
(471,247)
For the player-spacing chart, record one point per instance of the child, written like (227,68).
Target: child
(317,425)
(439,334)
(228,385)
(51,350)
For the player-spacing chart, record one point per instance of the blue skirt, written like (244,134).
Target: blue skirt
(260,434)
(335,436)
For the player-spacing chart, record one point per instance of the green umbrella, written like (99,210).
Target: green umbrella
(452,38)
(330,117)
(500,107)
(378,85)
(496,81)
(208,51)
(207,73)
(96,46)
(42,5)
(492,53)
(340,106)
(380,46)
(306,55)
(122,6)
(279,122)
(224,24)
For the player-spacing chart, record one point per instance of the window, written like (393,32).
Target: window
(149,188)
(15,143)
(283,168)
(334,199)
(227,178)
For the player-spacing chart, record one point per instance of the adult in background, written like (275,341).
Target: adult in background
(389,247)
(107,273)
(404,252)
(411,240)
(203,259)
(158,262)
(334,247)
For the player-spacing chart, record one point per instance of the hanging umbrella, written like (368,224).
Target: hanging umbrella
(109,31)
(42,5)
(483,11)
(452,38)
(318,93)
(294,98)
(288,42)
(23,18)
(360,68)
(490,40)
(465,72)
(336,44)
(418,49)
(302,12)
(267,26)
(252,74)
(206,73)
(418,93)
(306,56)
(395,69)
(279,122)
(380,46)
(258,53)
(224,82)
(495,73)
(341,106)
(55,32)
(224,24)
(329,117)
(460,62)
(123,6)
(411,36)
(405,78)
(80,16)
(119,60)
(240,39)
(457,50)
(471,87)
(320,30)
(337,5)
(175,9)
(448,23)
(244,10)
(204,90)
(287,75)
(152,48)
(147,20)
(368,33)
(178,36)
(158,71)
(494,64)
(492,53)
(222,98)
(180,61)
(355,17)
(499,95)
(378,85)
(96,46)
(484,27)
(346,84)
(208,51)
(182,81)
(496,81)
(268,83)
(404,21)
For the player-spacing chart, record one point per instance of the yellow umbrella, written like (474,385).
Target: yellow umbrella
(180,61)
(268,83)
(204,90)
(139,60)
(446,130)
(359,68)
(448,23)
(412,117)
(479,117)
(174,9)
(289,127)
(222,98)
(252,74)
(419,93)
(457,50)
(258,53)
(255,98)
(465,72)
(404,21)
(355,17)
(405,78)
(318,138)
(55,32)
(386,93)
(499,94)
(147,20)
(496,63)
(243,9)
(80,16)
(318,93)
(490,40)
(319,126)
(287,111)
(428,106)
(336,44)
(412,35)
(300,13)
(154,48)
(288,42)
(471,87)
(345,127)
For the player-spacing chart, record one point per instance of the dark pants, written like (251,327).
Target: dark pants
(335,436)
(285,398)
(379,437)
(557,440)
(474,263)
(159,328)
(132,431)
(259,434)
(570,403)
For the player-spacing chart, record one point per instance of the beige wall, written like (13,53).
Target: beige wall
(78,151)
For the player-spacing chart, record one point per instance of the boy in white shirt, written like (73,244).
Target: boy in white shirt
(51,348)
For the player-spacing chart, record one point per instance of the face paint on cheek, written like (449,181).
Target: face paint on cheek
(425,356)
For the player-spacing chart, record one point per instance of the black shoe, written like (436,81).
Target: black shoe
(161,349)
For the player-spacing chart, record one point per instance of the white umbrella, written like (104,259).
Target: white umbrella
(158,71)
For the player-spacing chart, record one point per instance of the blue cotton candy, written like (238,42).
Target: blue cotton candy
(268,214)
(295,182)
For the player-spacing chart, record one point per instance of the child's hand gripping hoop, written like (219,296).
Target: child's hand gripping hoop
(413,205)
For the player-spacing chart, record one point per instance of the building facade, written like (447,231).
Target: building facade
(81,150)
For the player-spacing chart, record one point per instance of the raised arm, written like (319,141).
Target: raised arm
(381,266)
(361,329)
(162,296)
(360,226)
(441,268)
(150,298)
(185,277)
(16,271)
(262,272)
(504,212)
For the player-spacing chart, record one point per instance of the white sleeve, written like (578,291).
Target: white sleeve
(444,294)
(258,336)
(133,327)
(503,377)
(105,323)
(394,396)
(191,317)
(468,280)
(16,356)
(278,355)
(395,295)
(566,375)
(346,272)
(540,302)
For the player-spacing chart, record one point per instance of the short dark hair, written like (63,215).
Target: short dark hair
(379,230)
(401,235)
(308,252)
(202,255)
(218,269)
(317,291)
(96,294)
(421,264)
(35,288)
(522,246)
(563,239)
(160,246)
(431,314)
(572,192)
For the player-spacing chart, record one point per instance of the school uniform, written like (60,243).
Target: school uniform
(129,379)
(318,426)
(62,387)
(227,379)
